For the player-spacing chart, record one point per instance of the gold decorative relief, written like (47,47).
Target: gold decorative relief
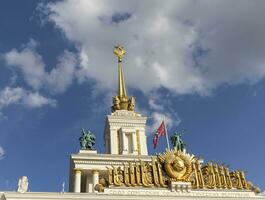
(177,165)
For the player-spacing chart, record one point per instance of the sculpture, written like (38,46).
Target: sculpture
(177,142)
(87,140)
(23,184)
(131,103)
(101,185)
(116,103)
(177,164)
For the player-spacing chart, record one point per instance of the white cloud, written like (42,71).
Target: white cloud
(62,76)
(35,100)
(185,46)
(159,117)
(10,96)
(161,109)
(21,96)
(154,105)
(2,153)
(31,64)
(172,120)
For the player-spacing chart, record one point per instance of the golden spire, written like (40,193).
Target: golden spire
(121,101)
(119,52)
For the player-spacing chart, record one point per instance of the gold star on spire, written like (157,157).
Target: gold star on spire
(119,51)
(121,101)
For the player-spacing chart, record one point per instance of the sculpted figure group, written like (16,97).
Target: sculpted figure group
(87,140)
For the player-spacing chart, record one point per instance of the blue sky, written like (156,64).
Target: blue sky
(199,64)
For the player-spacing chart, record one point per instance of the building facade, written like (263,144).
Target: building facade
(127,171)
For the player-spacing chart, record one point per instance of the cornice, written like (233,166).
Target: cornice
(105,159)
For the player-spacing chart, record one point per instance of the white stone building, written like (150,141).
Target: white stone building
(126,171)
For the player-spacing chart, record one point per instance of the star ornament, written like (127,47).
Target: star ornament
(119,51)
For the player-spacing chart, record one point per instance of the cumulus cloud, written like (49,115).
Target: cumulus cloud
(158,117)
(2,153)
(161,110)
(63,74)
(21,96)
(35,100)
(185,46)
(31,64)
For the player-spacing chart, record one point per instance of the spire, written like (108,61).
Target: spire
(121,101)
(119,52)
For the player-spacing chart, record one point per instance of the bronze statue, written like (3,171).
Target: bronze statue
(177,142)
(87,140)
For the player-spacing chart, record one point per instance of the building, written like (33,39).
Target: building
(127,171)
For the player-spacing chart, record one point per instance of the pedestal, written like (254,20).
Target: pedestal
(180,186)
(86,151)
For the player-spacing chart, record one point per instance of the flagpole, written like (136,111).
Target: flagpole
(166,134)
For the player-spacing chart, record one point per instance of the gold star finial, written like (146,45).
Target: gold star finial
(119,51)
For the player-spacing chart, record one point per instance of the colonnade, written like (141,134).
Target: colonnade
(90,182)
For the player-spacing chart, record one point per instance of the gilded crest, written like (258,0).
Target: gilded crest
(177,164)
(119,51)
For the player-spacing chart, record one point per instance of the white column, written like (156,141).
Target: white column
(114,143)
(77,181)
(89,185)
(143,142)
(124,144)
(95,177)
(134,143)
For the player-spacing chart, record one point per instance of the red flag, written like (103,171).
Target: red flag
(161,131)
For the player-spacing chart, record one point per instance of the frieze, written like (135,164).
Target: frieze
(177,166)
(107,163)
(192,193)
(126,124)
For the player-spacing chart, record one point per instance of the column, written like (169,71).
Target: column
(124,143)
(95,177)
(143,142)
(134,143)
(114,143)
(89,183)
(77,180)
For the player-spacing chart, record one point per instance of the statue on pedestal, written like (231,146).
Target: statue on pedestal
(177,142)
(23,184)
(87,140)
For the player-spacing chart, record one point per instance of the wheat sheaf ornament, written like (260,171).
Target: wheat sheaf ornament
(177,164)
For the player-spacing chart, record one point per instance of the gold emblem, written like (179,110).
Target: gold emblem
(173,165)
(119,51)
(177,165)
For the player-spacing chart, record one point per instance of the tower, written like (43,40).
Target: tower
(127,172)
(124,128)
